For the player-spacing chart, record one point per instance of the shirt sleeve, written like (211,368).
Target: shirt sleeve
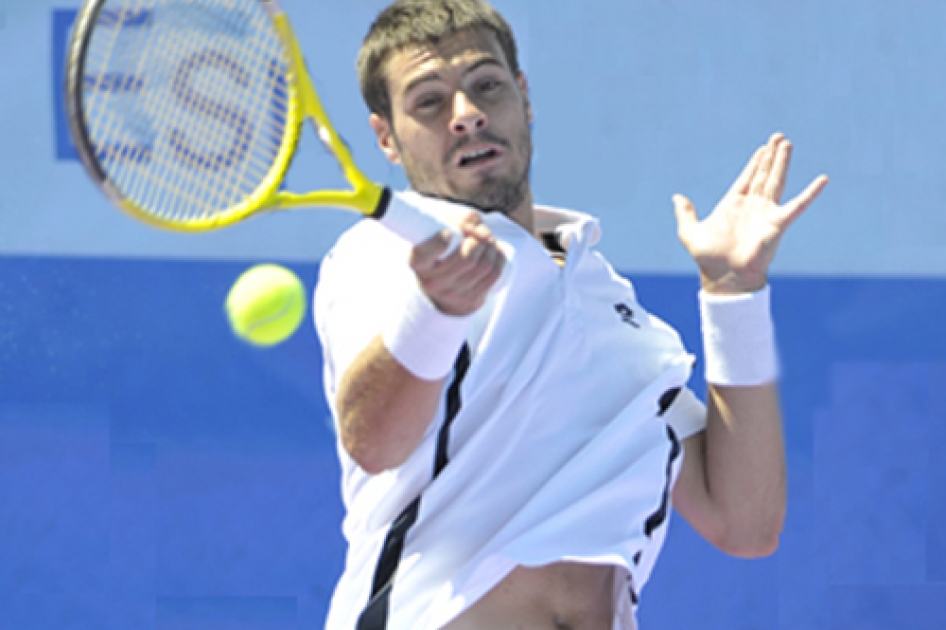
(687,415)
(362,282)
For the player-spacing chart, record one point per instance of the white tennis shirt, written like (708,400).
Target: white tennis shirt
(558,450)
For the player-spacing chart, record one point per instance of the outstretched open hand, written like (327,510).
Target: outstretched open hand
(736,243)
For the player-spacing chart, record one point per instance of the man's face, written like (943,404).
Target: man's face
(459,122)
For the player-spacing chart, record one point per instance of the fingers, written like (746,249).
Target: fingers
(764,171)
(480,268)
(775,185)
(795,207)
(477,261)
(459,283)
(764,174)
(771,173)
(425,255)
(767,170)
(443,245)
(685,212)
(741,185)
(687,218)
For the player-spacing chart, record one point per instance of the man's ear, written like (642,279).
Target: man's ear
(385,134)
(524,88)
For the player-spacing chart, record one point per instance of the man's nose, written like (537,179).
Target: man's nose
(467,117)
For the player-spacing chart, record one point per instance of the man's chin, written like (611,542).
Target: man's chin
(502,197)
(481,203)
(495,195)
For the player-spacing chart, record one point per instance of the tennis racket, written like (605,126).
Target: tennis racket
(187,114)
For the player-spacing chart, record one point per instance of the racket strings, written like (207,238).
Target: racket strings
(186,102)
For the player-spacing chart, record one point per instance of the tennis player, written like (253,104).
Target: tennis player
(510,447)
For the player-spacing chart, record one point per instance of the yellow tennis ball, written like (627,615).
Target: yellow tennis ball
(266,305)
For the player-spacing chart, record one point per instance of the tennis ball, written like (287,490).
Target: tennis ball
(266,305)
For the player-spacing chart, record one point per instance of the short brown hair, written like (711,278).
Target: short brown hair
(423,22)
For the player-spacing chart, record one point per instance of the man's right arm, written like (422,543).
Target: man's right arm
(383,407)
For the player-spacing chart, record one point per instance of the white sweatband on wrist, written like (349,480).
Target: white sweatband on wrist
(424,340)
(738,338)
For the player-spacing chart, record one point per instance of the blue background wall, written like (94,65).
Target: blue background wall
(157,473)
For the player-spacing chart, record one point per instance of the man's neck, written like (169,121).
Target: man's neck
(524,215)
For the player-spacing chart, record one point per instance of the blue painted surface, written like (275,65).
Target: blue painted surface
(157,473)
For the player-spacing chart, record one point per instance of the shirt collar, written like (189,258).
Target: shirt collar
(569,226)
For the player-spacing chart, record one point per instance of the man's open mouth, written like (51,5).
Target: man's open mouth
(477,156)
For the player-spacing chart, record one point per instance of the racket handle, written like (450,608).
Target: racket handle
(403,214)
(410,222)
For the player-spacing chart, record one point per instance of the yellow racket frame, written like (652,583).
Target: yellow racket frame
(303,103)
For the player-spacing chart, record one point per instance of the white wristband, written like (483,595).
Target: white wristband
(424,340)
(738,338)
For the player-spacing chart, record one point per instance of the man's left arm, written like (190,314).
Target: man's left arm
(732,488)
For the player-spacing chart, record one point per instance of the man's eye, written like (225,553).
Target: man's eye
(428,102)
(489,85)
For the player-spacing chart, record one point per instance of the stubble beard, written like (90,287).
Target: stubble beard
(495,193)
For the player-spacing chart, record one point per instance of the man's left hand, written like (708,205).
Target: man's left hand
(736,243)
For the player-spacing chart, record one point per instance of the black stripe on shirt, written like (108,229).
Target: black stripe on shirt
(453,408)
(657,518)
(375,614)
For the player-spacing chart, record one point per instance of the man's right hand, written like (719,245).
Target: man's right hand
(459,284)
